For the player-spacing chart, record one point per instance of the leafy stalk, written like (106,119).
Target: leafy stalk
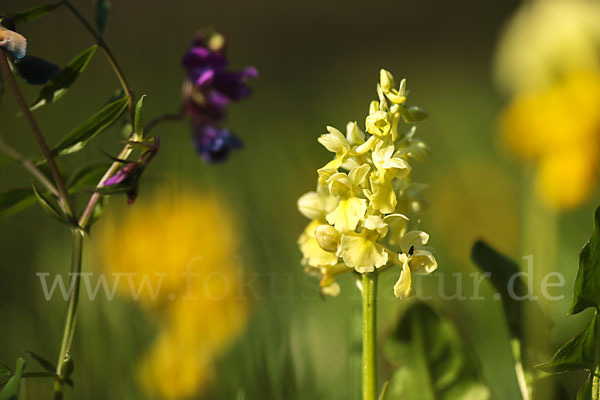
(58,180)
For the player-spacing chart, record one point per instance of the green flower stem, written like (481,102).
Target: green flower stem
(369,359)
(540,240)
(64,199)
(67,339)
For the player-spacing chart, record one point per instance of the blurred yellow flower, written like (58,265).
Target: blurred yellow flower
(191,241)
(546,39)
(558,129)
(549,61)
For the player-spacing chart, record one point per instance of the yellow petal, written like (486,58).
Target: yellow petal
(376,223)
(383,198)
(397,224)
(332,289)
(347,214)
(312,253)
(354,135)
(423,262)
(416,239)
(334,141)
(403,287)
(340,185)
(361,253)
(315,205)
(358,175)
(378,123)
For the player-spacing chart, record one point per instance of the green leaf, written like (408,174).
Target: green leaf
(433,362)
(80,136)
(59,85)
(11,389)
(45,364)
(586,292)
(586,391)
(139,121)
(578,353)
(87,177)
(5,373)
(50,208)
(15,200)
(101,9)
(501,270)
(33,13)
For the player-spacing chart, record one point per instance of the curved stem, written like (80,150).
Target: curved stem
(63,193)
(109,55)
(164,118)
(369,359)
(29,166)
(67,339)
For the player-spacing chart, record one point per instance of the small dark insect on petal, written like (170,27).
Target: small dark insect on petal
(411,251)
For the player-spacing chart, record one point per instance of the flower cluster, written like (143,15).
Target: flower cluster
(207,91)
(359,210)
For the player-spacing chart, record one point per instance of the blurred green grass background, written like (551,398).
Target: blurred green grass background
(318,64)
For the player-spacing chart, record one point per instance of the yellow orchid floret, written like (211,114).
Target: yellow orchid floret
(359,211)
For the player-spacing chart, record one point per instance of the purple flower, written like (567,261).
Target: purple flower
(208,90)
(214,144)
(126,180)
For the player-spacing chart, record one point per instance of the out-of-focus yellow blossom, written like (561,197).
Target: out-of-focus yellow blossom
(363,194)
(549,60)
(546,39)
(559,130)
(191,241)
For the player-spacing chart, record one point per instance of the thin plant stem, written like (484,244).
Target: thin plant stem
(109,55)
(369,359)
(519,371)
(63,193)
(164,118)
(29,166)
(74,283)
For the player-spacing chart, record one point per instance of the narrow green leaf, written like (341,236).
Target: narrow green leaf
(11,389)
(578,353)
(139,121)
(586,292)
(47,365)
(101,9)
(433,362)
(47,206)
(80,136)
(59,85)
(15,200)
(383,390)
(33,13)
(501,270)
